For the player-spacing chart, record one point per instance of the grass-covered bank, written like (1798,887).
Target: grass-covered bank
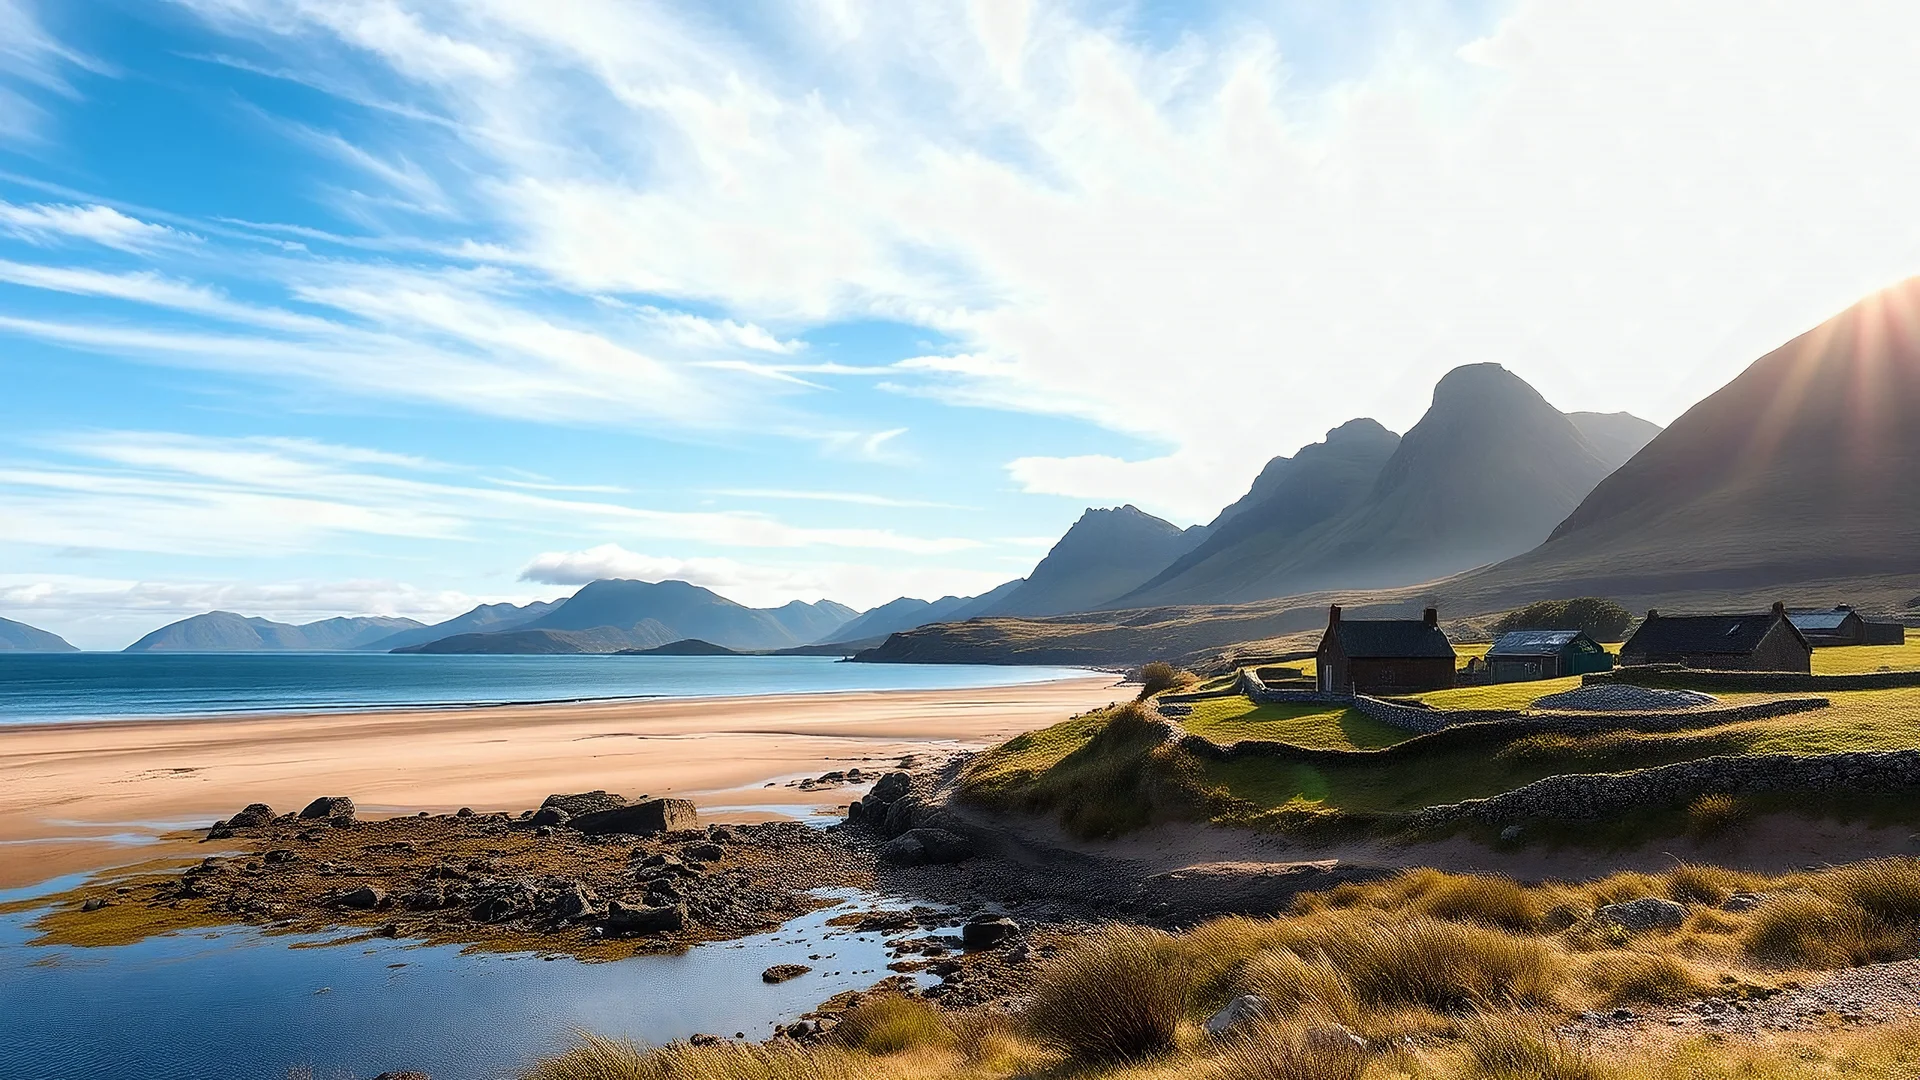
(1438,976)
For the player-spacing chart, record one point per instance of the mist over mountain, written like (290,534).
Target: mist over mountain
(224,631)
(19,637)
(1615,436)
(908,612)
(1104,554)
(808,623)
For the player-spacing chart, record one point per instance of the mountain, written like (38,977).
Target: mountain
(1486,474)
(223,631)
(603,639)
(683,647)
(1615,436)
(19,637)
(1103,555)
(813,622)
(1800,471)
(485,618)
(688,610)
(1291,497)
(909,612)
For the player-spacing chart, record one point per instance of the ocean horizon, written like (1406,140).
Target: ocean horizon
(40,688)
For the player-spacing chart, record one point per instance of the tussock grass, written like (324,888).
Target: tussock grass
(1159,677)
(1288,1051)
(1627,978)
(1887,889)
(1805,929)
(890,1024)
(1714,815)
(596,1057)
(1525,1048)
(1119,994)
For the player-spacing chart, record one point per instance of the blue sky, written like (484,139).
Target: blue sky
(317,307)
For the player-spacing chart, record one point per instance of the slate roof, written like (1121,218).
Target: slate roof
(1532,643)
(1700,635)
(1819,621)
(1392,639)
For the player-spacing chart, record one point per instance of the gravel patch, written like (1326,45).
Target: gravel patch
(1618,697)
(1875,994)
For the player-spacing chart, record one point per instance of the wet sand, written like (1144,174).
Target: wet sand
(87,795)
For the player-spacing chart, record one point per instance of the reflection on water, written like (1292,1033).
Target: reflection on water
(238,1004)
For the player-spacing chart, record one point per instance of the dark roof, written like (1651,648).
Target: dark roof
(1700,635)
(1818,621)
(1532,642)
(1392,639)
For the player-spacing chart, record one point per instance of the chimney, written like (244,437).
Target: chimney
(1333,615)
(1431,617)
(1652,614)
(1779,608)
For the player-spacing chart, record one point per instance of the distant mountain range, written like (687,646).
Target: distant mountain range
(19,637)
(483,619)
(1103,555)
(223,631)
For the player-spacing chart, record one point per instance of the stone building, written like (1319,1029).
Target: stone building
(1764,642)
(1384,656)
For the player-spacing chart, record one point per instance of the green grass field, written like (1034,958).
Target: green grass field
(1232,719)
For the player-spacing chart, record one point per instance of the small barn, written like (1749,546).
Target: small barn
(1827,629)
(1764,642)
(1523,655)
(1374,656)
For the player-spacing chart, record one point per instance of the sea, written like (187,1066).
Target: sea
(54,687)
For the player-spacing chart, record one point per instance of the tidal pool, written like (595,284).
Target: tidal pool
(237,1004)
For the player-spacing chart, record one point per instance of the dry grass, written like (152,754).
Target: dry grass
(597,1058)
(892,1023)
(1160,677)
(1627,978)
(1119,994)
(1289,1051)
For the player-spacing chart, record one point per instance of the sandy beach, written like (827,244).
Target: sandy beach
(85,795)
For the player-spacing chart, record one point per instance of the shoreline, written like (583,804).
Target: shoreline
(70,785)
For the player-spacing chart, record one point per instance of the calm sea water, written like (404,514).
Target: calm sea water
(37,688)
(236,1004)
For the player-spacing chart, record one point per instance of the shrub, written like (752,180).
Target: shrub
(1494,901)
(1118,994)
(1623,978)
(1690,883)
(1714,815)
(1274,1051)
(1421,960)
(1603,620)
(890,1024)
(1804,929)
(1292,984)
(1161,676)
(1511,1048)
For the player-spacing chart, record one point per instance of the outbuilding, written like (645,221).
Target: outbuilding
(1523,655)
(1394,656)
(1765,642)
(1842,626)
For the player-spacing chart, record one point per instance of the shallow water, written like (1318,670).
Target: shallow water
(239,1004)
(92,686)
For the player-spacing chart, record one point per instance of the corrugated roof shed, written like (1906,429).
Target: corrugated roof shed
(1532,643)
(1820,620)
(1700,635)
(1388,639)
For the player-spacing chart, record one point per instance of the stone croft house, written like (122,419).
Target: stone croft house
(1523,655)
(1843,626)
(1384,656)
(1767,642)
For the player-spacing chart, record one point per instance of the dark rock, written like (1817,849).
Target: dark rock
(857,812)
(465,811)
(917,846)
(641,819)
(1646,913)
(94,903)
(704,852)
(407,1074)
(253,817)
(364,898)
(900,815)
(576,902)
(219,831)
(550,815)
(496,908)
(428,899)
(891,786)
(780,973)
(644,919)
(328,806)
(585,802)
(984,932)
(903,851)
(279,855)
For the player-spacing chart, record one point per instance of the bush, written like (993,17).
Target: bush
(890,1024)
(1508,1048)
(1714,815)
(1603,620)
(1495,901)
(1161,676)
(1118,994)
(1887,889)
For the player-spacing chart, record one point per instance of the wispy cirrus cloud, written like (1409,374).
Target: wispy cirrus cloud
(47,222)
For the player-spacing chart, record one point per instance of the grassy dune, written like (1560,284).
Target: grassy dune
(1232,719)
(1444,977)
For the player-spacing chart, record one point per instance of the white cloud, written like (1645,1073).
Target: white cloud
(853,498)
(191,495)
(44,222)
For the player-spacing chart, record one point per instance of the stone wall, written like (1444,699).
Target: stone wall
(1590,797)
(1672,676)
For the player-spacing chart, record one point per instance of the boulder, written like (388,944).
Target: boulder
(405,1074)
(279,855)
(576,902)
(585,802)
(919,846)
(891,786)
(641,819)
(550,815)
(707,852)
(1236,1015)
(364,898)
(986,931)
(254,816)
(328,806)
(496,908)
(899,816)
(780,973)
(1646,913)
(644,919)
